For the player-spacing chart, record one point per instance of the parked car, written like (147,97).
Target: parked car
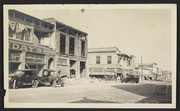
(49,77)
(23,77)
(130,78)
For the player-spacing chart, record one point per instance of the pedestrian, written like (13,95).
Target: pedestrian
(118,79)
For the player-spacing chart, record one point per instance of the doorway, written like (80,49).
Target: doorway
(50,63)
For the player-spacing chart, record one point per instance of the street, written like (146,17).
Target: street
(84,91)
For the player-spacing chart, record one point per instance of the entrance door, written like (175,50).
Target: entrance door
(82,68)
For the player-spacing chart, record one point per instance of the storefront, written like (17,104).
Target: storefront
(25,56)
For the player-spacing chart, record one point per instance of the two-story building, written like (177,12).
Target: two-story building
(109,61)
(45,44)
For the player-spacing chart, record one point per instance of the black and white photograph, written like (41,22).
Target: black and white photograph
(90,56)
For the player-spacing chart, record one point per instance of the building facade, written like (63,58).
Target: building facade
(109,61)
(148,71)
(45,44)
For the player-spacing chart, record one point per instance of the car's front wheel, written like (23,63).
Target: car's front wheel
(35,83)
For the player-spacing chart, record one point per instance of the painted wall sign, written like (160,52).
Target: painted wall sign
(23,47)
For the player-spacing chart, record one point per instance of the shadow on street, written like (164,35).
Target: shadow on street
(153,93)
(85,100)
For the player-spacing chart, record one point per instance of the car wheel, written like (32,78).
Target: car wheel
(54,83)
(35,83)
(15,84)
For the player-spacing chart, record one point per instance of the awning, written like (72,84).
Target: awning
(101,74)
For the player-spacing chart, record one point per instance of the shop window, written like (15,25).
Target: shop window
(71,45)
(34,58)
(14,56)
(82,48)
(62,44)
(109,59)
(97,59)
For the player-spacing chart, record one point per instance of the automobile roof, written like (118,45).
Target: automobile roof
(27,70)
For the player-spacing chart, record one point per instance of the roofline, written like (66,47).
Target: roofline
(69,26)
(106,48)
(29,16)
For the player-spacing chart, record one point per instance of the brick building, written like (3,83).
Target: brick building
(45,44)
(109,61)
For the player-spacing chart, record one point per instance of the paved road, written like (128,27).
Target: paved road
(95,92)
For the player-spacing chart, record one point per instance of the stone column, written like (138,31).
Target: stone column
(77,47)
(23,57)
(67,45)
(77,69)
(55,63)
(68,65)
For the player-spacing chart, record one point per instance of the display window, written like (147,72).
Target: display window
(14,56)
(34,58)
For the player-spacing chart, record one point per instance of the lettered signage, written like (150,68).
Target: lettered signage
(23,47)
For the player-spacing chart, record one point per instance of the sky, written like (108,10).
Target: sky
(139,32)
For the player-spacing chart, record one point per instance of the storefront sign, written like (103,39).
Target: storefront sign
(23,47)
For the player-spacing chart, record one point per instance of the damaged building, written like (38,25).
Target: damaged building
(46,44)
(109,61)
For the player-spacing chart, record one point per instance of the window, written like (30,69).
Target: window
(97,59)
(34,58)
(14,56)
(11,32)
(62,44)
(19,31)
(129,63)
(109,59)
(82,48)
(27,34)
(71,45)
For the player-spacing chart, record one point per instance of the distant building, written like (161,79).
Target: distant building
(45,44)
(109,61)
(148,70)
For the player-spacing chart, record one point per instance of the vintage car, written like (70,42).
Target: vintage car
(23,77)
(130,78)
(49,77)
